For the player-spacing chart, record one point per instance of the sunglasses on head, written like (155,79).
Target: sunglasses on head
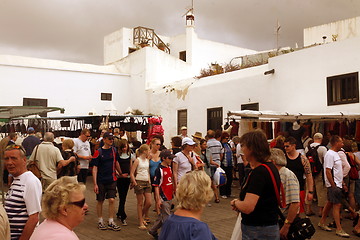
(14,146)
(80,203)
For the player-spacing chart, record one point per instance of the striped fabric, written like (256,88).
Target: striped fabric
(16,208)
(22,199)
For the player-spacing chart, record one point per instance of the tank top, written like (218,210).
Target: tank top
(296,166)
(124,162)
(153,166)
(142,170)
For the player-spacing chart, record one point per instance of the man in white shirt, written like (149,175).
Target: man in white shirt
(83,152)
(334,183)
(23,200)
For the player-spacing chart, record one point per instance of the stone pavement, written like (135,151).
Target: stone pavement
(219,217)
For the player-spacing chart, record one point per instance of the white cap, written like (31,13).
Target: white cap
(187,141)
(183,128)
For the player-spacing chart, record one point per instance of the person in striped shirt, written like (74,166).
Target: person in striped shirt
(23,200)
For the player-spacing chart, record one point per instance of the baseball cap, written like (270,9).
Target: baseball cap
(108,135)
(31,130)
(166,153)
(187,141)
(183,128)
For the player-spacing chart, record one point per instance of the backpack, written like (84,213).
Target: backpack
(315,164)
(33,165)
(353,173)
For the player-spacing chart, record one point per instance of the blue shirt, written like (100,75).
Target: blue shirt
(185,228)
(153,166)
(105,161)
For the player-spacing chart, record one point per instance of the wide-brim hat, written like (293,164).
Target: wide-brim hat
(197,135)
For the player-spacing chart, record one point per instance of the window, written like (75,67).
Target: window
(36,102)
(106,96)
(182,119)
(182,55)
(250,106)
(343,89)
(214,118)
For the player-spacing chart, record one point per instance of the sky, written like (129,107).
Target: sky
(73,30)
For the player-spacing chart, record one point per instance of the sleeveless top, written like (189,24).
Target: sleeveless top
(142,170)
(296,166)
(124,162)
(153,166)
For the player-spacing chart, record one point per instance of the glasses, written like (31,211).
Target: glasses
(14,146)
(80,203)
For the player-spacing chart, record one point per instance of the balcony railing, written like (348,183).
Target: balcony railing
(147,37)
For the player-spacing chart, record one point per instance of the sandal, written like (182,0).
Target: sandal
(147,220)
(217,200)
(145,223)
(142,227)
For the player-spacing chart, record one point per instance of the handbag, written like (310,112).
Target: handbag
(300,228)
(33,166)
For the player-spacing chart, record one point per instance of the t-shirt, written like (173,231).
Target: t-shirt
(48,156)
(29,144)
(185,228)
(71,168)
(163,180)
(332,160)
(53,230)
(214,147)
(259,183)
(83,149)
(22,200)
(291,187)
(104,161)
(184,165)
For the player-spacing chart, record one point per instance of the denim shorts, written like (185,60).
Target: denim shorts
(271,232)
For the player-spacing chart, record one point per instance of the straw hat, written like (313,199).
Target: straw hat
(197,135)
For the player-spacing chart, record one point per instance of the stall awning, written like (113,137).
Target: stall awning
(276,116)
(9,112)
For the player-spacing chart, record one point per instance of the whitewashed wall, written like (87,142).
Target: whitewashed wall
(77,92)
(298,85)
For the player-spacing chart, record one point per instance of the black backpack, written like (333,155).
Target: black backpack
(313,156)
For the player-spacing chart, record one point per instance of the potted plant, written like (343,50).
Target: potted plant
(144,43)
(162,46)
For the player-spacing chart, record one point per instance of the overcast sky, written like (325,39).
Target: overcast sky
(73,30)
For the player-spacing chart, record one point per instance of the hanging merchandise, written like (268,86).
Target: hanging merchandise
(155,128)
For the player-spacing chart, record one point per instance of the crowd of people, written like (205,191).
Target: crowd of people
(278,177)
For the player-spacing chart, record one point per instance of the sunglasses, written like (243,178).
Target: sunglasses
(80,203)
(158,144)
(14,146)
(286,146)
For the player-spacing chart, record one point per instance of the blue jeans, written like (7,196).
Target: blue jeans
(260,232)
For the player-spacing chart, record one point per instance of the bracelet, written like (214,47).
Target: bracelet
(312,192)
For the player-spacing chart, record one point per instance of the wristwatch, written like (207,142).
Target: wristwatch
(287,222)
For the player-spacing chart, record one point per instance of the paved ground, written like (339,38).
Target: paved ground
(219,217)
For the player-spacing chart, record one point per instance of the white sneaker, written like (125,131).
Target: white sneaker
(224,196)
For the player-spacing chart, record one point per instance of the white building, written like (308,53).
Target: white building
(312,80)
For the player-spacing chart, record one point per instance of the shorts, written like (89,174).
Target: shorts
(142,187)
(334,195)
(106,191)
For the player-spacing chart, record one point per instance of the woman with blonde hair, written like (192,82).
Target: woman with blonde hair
(140,179)
(193,193)
(63,206)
